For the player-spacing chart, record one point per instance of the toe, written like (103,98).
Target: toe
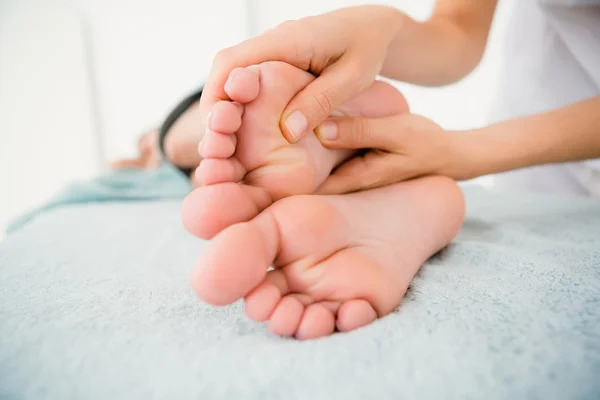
(354,314)
(217,145)
(259,304)
(243,84)
(214,170)
(286,317)
(208,210)
(317,321)
(236,262)
(226,117)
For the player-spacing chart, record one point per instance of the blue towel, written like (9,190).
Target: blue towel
(95,304)
(165,182)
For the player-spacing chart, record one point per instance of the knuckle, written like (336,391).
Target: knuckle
(355,72)
(323,103)
(360,131)
(223,57)
(286,24)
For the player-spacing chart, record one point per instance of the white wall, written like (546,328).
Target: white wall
(148,54)
(46,137)
(81,79)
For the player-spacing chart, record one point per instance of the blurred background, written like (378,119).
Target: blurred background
(81,80)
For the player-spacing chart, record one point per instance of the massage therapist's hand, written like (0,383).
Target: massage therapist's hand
(345,48)
(402,147)
(407,146)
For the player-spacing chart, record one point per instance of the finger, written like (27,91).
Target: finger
(335,85)
(287,43)
(360,133)
(359,173)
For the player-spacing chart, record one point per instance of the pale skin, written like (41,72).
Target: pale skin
(320,283)
(339,263)
(373,40)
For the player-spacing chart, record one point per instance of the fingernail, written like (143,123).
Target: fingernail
(328,130)
(296,124)
(200,147)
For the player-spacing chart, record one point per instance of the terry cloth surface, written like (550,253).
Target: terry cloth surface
(95,303)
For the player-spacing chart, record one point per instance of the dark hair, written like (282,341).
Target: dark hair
(170,120)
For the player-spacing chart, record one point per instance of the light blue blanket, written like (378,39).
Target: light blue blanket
(165,182)
(95,304)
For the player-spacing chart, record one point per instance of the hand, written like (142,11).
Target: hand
(344,48)
(148,154)
(401,147)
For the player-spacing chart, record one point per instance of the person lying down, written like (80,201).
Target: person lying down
(340,261)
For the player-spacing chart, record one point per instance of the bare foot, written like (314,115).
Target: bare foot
(340,261)
(244,144)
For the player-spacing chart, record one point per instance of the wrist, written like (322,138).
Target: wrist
(394,22)
(470,155)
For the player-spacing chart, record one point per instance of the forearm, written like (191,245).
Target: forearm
(443,49)
(567,134)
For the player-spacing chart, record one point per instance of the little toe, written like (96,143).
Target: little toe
(214,170)
(217,145)
(243,84)
(317,321)
(225,117)
(354,314)
(286,317)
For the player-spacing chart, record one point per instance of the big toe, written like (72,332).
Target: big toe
(208,210)
(243,84)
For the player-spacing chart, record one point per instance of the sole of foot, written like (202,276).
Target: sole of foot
(244,146)
(339,262)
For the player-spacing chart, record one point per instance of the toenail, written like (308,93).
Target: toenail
(327,130)
(296,124)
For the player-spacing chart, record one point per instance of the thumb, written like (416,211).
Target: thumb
(360,133)
(336,85)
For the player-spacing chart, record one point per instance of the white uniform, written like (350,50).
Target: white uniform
(552,59)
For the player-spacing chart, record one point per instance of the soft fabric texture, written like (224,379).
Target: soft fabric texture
(95,303)
(164,182)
